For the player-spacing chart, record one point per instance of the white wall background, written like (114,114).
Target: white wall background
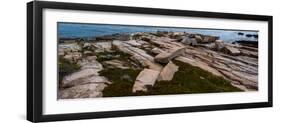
(13,61)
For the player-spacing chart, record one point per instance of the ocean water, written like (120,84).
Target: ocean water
(78,30)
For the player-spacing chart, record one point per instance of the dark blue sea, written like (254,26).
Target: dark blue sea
(89,31)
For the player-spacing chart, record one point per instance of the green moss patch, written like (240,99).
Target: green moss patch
(190,79)
(122,82)
(187,80)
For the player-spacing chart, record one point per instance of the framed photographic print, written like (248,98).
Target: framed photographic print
(95,61)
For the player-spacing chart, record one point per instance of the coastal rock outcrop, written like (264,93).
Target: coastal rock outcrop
(154,54)
(84,83)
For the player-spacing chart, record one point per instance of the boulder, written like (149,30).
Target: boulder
(219,45)
(191,35)
(177,35)
(156,51)
(208,39)
(103,46)
(72,47)
(87,52)
(168,72)
(87,45)
(210,46)
(146,77)
(91,58)
(189,41)
(73,56)
(232,50)
(198,38)
(161,33)
(165,57)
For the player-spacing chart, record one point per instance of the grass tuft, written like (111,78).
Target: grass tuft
(121,83)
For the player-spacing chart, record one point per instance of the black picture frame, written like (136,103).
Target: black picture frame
(34,60)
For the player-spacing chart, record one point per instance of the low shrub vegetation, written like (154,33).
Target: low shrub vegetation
(187,80)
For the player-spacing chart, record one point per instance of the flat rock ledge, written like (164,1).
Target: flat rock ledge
(146,77)
(168,72)
(165,57)
(82,91)
(85,83)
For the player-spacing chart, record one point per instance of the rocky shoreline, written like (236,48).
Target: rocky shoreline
(155,57)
